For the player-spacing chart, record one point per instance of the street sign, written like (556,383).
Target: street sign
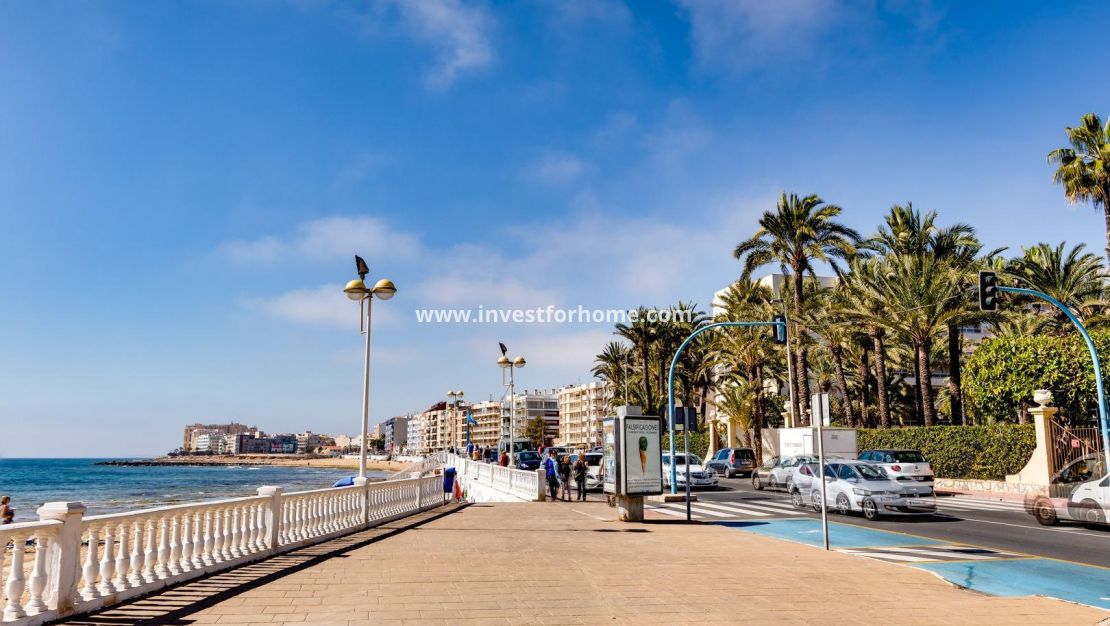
(683,417)
(819,411)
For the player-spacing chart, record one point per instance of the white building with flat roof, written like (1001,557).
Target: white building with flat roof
(581,409)
(529,405)
(414,441)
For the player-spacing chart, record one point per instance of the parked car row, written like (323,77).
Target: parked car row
(860,486)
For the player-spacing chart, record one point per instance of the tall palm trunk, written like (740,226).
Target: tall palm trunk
(864,374)
(792,369)
(955,385)
(801,374)
(876,335)
(842,381)
(924,382)
(918,415)
(757,415)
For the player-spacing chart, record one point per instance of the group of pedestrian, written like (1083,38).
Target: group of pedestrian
(559,471)
(7,513)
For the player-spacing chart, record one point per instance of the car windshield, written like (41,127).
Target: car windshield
(528,455)
(908,456)
(593,459)
(680,459)
(871,472)
(745,454)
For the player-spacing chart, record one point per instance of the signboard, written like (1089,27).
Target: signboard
(683,416)
(819,408)
(640,453)
(609,454)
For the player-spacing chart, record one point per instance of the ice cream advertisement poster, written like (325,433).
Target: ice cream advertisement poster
(642,456)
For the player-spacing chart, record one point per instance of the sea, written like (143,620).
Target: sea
(114,488)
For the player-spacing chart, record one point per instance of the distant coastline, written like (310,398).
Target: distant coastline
(259,460)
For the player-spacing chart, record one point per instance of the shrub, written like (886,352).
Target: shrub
(699,443)
(1001,376)
(984,452)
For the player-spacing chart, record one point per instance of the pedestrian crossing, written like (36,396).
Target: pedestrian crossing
(750,508)
(931,553)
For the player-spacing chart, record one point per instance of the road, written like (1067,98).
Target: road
(999,526)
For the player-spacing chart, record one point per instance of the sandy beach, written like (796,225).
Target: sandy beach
(269,459)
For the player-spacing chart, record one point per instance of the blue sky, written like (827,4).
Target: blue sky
(183,185)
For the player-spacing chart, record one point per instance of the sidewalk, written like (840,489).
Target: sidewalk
(569,563)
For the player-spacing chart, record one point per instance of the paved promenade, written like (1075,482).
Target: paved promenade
(570,563)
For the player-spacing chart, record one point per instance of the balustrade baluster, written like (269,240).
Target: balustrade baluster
(92,565)
(108,562)
(330,507)
(240,530)
(173,529)
(186,556)
(231,535)
(252,528)
(163,570)
(211,537)
(136,575)
(14,609)
(38,576)
(150,555)
(123,556)
(198,540)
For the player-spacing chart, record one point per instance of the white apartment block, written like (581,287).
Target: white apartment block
(444,426)
(489,415)
(414,443)
(528,406)
(581,409)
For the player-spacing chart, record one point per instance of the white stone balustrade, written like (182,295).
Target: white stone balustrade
(68,563)
(513,484)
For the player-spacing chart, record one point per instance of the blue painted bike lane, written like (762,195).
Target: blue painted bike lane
(1023,576)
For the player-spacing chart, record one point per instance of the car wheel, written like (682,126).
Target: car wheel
(756,483)
(1091,512)
(797,500)
(1045,512)
(815,500)
(870,509)
(728,473)
(843,506)
(789,484)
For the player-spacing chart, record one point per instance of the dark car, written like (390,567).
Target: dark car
(733,461)
(528,460)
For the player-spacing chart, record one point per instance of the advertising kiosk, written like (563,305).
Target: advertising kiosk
(632,460)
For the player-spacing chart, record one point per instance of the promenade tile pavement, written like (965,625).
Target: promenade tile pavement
(572,563)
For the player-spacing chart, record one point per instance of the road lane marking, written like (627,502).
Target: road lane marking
(682,508)
(731,508)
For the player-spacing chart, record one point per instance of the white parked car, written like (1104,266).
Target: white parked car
(700,475)
(859,486)
(1079,492)
(901,465)
(778,472)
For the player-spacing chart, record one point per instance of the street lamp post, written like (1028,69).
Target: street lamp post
(505,364)
(455,396)
(358,291)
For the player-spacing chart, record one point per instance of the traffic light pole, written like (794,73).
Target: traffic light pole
(670,398)
(1103,427)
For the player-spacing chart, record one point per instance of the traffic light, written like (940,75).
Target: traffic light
(988,291)
(778,331)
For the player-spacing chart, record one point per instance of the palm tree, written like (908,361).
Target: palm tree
(642,334)
(865,303)
(611,366)
(1074,277)
(827,321)
(1084,168)
(736,401)
(798,232)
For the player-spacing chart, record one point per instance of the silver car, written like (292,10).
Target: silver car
(778,472)
(859,486)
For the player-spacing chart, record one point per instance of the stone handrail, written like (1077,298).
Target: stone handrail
(421,467)
(514,484)
(80,564)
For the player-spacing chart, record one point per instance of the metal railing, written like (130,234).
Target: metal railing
(1070,443)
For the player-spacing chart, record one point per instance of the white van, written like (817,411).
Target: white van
(1079,492)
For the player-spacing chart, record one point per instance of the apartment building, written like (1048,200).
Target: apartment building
(193,431)
(309,442)
(489,417)
(581,409)
(414,435)
(528,406)
(395,433)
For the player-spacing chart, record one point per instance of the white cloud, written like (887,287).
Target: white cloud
(323,240)
(459,32)
(740,34)
(556,168)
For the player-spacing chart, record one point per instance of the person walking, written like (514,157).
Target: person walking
(580,471)
(7,513)
(551,470)
(504,461)
(564,476)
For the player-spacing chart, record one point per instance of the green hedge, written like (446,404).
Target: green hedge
(984,452)
(699,443)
